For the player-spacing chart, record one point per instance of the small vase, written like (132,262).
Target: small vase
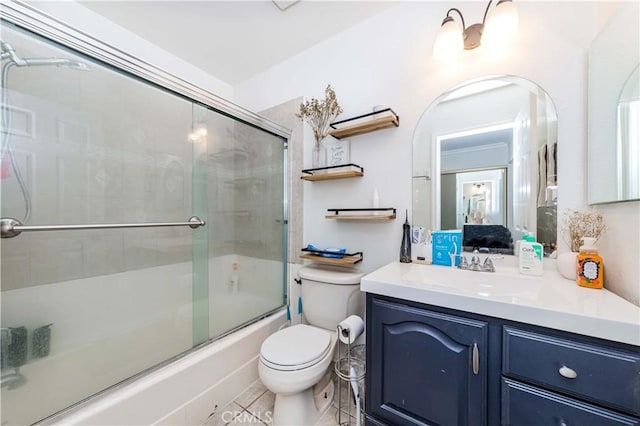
(318,156)
(566,263)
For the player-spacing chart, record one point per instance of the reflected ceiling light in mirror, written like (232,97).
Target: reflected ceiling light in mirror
(496,31)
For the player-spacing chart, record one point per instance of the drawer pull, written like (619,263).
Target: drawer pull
(567,372)
(476,359)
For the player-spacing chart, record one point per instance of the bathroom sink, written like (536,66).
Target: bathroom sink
(505,282)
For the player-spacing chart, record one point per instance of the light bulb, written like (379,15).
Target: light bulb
(449,42)
(501,26)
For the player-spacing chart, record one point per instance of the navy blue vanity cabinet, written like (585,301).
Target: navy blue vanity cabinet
(420,371)
(424,367)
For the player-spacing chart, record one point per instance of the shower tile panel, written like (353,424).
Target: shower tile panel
(22,122)
(73,133)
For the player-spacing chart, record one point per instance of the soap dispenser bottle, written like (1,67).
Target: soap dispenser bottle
(590,267)
(405,247)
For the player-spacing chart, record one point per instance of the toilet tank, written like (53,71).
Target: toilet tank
(329,295)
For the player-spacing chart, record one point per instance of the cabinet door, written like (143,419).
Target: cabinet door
(425,367)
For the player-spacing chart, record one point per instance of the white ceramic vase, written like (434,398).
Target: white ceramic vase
(566,264)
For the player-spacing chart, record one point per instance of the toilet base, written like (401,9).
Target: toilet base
(302,408)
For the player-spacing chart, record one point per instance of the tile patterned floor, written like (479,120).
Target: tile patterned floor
(254,407)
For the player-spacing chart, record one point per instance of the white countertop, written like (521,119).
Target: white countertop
(549,301)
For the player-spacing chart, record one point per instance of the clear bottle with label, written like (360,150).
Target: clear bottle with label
(590,266)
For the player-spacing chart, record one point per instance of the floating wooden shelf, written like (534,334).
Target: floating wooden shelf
(379,214)
(333,172)
(365,123)
(347,259)
(329,176)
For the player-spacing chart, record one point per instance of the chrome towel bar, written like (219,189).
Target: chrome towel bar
(10,227)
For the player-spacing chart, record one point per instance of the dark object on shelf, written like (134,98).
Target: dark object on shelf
(496,238)
(378,214)
(41,341)
(405,247)
(319,256)
(17,351)
(333,172)
(365,123)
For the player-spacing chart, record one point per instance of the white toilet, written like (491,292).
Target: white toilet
(294,360)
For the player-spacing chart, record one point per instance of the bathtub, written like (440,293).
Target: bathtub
(133,331)
(187,390)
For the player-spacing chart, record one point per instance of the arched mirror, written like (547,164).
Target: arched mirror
(485,161)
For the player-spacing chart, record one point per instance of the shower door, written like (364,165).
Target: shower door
(246,235)
(84,144)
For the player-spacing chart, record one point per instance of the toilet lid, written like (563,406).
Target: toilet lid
(295,347)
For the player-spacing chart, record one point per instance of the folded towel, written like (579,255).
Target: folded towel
(339,252)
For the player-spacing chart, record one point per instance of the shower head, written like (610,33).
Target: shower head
(9,52)
(58,62)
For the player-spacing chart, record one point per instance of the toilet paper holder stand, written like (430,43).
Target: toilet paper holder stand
(350,369)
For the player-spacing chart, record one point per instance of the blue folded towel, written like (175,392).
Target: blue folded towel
(339,252)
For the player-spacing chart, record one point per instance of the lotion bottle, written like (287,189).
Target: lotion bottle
(375,201)
(590,267)
(530,258)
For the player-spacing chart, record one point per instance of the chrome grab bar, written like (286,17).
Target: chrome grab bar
(10,227)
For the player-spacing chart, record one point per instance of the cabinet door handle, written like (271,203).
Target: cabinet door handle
(567,372)
(475,359)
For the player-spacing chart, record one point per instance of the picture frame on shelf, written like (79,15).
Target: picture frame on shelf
(338,152)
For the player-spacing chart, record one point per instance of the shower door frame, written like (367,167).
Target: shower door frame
(31,19)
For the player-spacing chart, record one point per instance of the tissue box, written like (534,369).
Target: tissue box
(446,243)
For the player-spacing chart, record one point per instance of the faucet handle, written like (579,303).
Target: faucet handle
(463,263)
(488,265)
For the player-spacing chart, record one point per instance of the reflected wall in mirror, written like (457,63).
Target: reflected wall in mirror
(614,110)
(485,153)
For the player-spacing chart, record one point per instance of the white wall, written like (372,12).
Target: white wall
(83,19)
(387,60)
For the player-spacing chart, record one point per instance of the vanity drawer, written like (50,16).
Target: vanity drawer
(597,373)
(524,405)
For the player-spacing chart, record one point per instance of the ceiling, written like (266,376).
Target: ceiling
(495,137)
(235,40)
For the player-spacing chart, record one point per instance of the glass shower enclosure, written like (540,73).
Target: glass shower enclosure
(137,223)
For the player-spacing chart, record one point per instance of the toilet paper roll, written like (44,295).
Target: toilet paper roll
(350,329)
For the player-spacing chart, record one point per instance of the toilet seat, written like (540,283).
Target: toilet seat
(295,348)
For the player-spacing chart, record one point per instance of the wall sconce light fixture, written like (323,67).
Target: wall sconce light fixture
(500,28)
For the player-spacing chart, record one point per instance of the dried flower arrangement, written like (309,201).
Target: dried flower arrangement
(319,114)
(578,224)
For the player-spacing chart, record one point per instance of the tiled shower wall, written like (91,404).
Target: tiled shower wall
(95,148)
(284,115)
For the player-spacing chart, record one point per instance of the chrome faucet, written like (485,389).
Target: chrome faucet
(475,264)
